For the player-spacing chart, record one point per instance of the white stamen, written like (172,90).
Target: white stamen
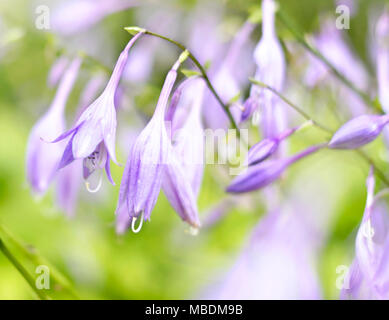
(136,230)
(87,185)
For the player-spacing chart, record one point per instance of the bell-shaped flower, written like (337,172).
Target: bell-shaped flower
(368,276)
(259,176)
(142,178)
(278,262)
(358,132)
(270,61)
(43,157)
(183,174)
(93,136)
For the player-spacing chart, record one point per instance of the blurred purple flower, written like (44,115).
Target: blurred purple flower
(331,43)
(358,132)
(74,16)
(142,178)
(259,176)
(93,136)
(382,67)
(278,263)
(43,157)
(57,70)
(368,277)
(226,84)
(68,182)
(271,69)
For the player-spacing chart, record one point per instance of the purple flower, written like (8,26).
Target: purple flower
(267,147)
(270,61)
(382,56)
(331,43)
(142,178)
(57,70)
(264,173)
(226,84)
(42,157)
(68,182)
(74,16)
(93,136)
(183,174)
(358,132)
(277,263)
(368,277)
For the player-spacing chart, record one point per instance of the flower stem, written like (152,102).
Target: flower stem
(134,30)
(32,254)
(8,254)
(300,38)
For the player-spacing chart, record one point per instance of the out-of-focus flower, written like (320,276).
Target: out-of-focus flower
(93,136)
(278,262)
(270,61)
(358,132)
(57,70)
(382,67)
(225,83)
(332,46)
(142,178)
(73,16)
(43,157)
(68,182)
(258,176)
(368,277)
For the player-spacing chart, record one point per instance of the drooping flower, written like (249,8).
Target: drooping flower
(183,174)
(42,157)
(368,276)
(142,178)
(93,136)
(74,16)
(277,263)
(358,131)
(270,61)
(260,175)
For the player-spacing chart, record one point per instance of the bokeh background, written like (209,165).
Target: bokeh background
(164,261)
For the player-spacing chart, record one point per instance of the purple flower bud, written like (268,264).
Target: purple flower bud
(142,178)
(42,157)
(249,106)
(358,132)
(93,137)
(264,173)
(267,147)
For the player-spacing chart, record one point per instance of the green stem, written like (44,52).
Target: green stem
(300,38)
(8,254)
(32,254)
(291,104)
(225,107)
(362,154)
